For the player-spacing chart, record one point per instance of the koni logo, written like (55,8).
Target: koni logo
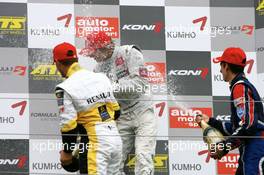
(87,25)
(185,118)
(201,72)
(223,117)
(19,162)
(156,27)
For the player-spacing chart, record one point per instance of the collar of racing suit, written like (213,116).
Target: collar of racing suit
(238,77)
(72,69)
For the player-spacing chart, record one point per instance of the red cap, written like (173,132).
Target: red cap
(95,41)
(232,55)
(64,51)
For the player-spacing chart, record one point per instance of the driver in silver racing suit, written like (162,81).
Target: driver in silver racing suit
(124,66)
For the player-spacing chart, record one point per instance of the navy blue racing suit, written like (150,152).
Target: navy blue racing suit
(246,126)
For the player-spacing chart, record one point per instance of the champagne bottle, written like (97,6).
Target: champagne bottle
(210,134)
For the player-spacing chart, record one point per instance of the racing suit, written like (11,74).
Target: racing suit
(137,123)
(87,106)
(247,119)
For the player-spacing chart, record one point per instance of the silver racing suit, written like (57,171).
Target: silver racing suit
(137,123)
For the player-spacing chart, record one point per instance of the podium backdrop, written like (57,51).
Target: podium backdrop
(179,39)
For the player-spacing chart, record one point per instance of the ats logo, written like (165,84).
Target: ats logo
(12,25)
(160,162)
(87,25)
(185,118)
(19,162)
(199,72)
(228,164)
(156,72)
(155,27)
(46,72)
(16,70)
(260,7)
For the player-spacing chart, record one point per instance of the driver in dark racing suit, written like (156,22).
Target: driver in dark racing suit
(247,118)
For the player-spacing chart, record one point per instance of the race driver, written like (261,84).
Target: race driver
(87,106)
(246,129)
(124,66)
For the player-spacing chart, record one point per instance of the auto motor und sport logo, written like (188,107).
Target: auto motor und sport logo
(12,25)
(87,25)
(228,164)
(199,72)
(185,118)
(13,70)
(155,72)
